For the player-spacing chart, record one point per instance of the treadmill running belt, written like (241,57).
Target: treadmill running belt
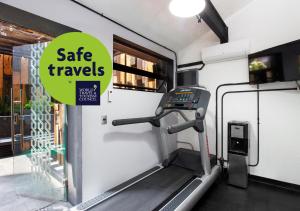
(149,193)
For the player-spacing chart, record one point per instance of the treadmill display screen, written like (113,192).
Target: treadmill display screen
(184,98)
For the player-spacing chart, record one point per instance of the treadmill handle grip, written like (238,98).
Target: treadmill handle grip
(131,121)
(181,127)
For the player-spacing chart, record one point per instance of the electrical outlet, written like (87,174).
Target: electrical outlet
(110,94)
(104,120)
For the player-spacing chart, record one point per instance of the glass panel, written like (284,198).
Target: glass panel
(143,60)
(6,162)
(119,58)
(32,150)
(130,61)
(135,82)
(38,135)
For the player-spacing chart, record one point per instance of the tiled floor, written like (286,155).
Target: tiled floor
(59,206)
(19,192)
(257,197)
(6,166)
(12,200)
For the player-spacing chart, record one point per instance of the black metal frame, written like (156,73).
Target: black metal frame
(216,116)
(136,71)
(167,78)
(258,116)
(133,70)
(190,64)
(132,87)
(213,19)
(127,43)
(187,71)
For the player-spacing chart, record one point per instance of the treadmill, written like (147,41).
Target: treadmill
(184,175)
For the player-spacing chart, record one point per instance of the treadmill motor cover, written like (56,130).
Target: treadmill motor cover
(187,159)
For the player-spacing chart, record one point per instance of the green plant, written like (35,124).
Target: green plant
(4,107)
(257,65)
(27,105)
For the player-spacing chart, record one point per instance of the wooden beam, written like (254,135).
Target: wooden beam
(213,19)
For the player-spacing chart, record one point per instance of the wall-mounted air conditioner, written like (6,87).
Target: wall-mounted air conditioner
(226,52)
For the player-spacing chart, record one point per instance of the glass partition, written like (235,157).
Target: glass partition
(37,130)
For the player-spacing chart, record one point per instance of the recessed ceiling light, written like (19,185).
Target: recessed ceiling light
(186,8)
(3,33)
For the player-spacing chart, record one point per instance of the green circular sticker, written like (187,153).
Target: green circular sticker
(75,69)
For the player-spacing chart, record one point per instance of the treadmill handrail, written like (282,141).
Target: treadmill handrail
(119,122)
(154,120)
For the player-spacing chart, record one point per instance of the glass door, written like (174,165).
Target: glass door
(6,161)
(37,131)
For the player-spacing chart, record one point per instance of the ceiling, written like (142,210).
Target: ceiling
(153,19)
(11,36)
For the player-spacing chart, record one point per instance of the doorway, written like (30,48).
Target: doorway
(32,135)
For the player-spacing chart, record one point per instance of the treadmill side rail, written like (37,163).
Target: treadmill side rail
(182,195)
(193,198)
(189,196)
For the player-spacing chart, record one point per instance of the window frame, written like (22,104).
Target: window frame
(166,79)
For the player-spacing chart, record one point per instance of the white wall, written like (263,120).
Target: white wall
(266,23)
(110,155)
(115,154)
(192,52)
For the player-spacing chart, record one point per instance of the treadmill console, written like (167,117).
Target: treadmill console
(186,98)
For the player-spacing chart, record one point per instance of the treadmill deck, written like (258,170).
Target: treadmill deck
(149,193)
(157,189)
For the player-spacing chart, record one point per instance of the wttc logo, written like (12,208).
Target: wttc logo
(87,92)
